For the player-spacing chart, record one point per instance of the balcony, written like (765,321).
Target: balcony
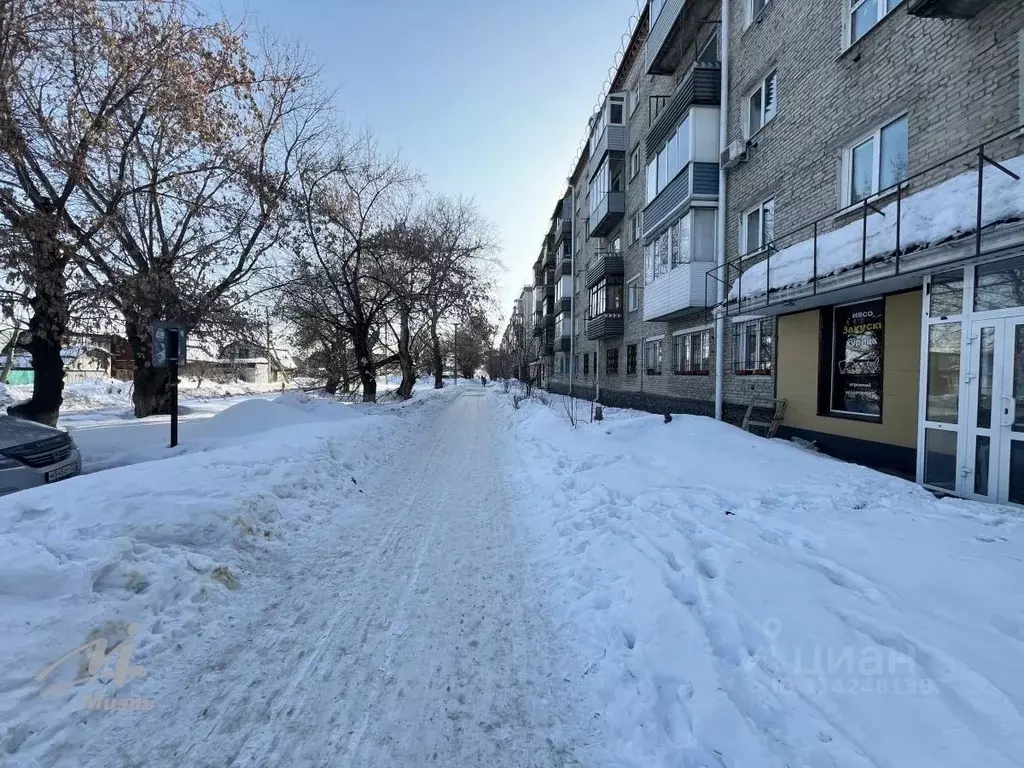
(702,86)
(682,289)
(608,265)
(948,9)
(563,231)
(608,213)
(704,178)
(538,331)
(604,326)
(564,344)
(565,305)
(612,140)
(673,31)
(566,267)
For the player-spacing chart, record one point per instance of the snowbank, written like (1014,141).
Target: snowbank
(743,602)
(941,212)
(172,546)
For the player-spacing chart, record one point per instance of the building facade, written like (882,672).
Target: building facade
(869,179)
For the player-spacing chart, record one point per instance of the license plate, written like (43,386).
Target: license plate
(62,472)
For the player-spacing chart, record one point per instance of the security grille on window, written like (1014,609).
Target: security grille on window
(754,346)
(692,353)
(762,104)
(652,357)
(631,359)
(877,162)
(611,361)
(758,228)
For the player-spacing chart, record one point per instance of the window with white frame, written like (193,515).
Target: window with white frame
(754,346)
(762,104)
(634,161)
(754,8)
(670,160)
(876,162)
(633,295)
(692,353)
(652,357)
(757,227)
(864,14)
(636,225)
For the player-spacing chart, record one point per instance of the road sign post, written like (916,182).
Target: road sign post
(170,347)
(172,360)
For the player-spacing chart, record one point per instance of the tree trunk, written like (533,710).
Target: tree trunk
(12,349)
(46,327)
(435,349)
(331,387)
(405,360)
(364,366)
(151,391)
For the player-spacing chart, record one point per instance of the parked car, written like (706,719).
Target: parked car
(33,454)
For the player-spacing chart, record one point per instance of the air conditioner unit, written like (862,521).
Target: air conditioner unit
(734,154)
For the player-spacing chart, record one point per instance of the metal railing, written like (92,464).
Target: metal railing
(869,264)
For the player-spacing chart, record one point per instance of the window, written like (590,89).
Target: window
(607,179)
(634,162)
(753,346)
(762,104)
(617,244)
(633,295)
(857,341)
(754,8)
(634,98)
(631,360)
(652,357)
(709,52)
(636,225)
(876,163)
(576,365)
(692,353)
(615,110)
(586,365)
(757,229)
(864,14)
(611,361)
(670,160)
(605,298)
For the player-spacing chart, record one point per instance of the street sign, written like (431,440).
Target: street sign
(170,343)
(163,343)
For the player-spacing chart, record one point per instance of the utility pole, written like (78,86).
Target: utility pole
(455,352)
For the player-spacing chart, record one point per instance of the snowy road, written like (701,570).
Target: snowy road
(401,636)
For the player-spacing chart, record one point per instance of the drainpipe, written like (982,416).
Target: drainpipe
(572,286)
(723,142)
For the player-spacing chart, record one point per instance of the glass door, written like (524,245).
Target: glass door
(980,472)
(994,469)
(1010,410)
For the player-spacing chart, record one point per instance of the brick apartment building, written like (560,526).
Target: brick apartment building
(856,283)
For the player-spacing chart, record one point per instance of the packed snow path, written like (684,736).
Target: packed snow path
(402,638)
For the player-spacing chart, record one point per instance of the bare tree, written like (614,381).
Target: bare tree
(202,213)
(68,68)
(344,206)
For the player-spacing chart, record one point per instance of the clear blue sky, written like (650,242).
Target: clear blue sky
(489,99)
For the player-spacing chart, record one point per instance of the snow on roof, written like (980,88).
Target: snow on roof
(928,217)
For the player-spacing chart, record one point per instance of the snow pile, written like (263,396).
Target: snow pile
(172,546)
(743,602)
(942,212)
